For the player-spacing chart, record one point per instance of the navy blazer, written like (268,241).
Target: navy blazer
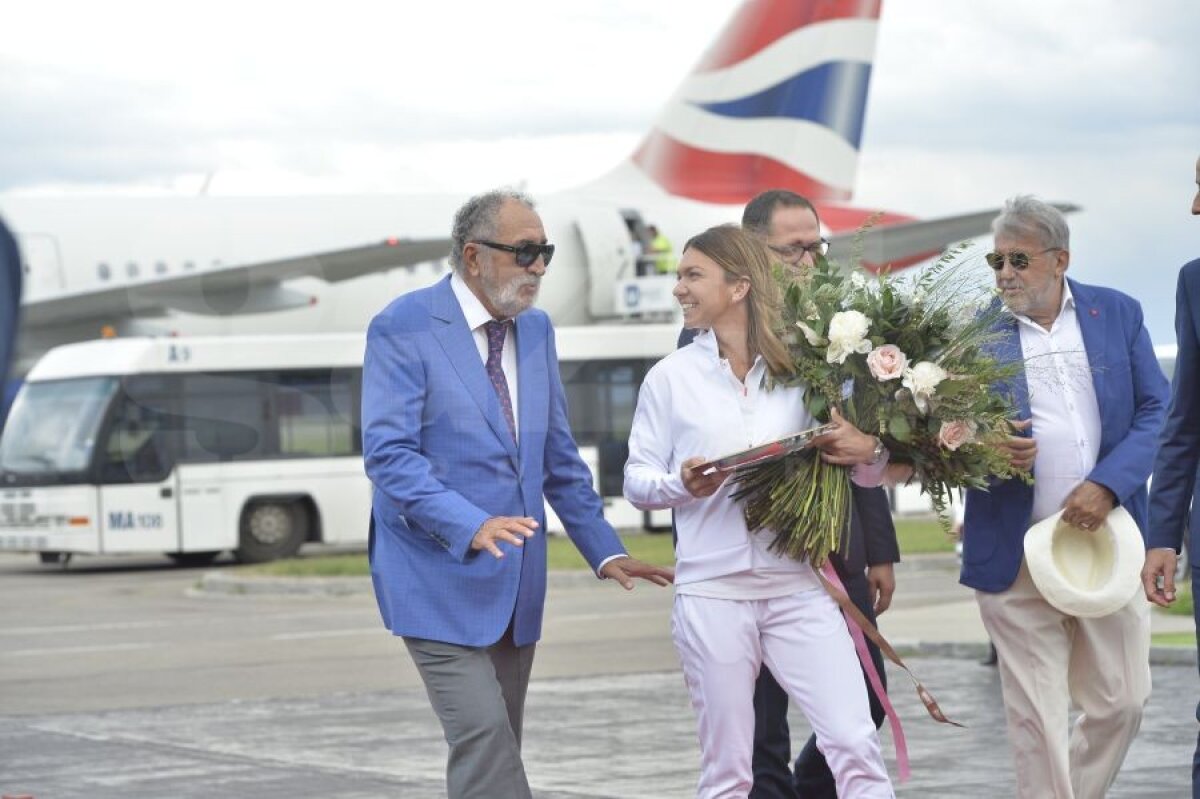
(442,461)
(1174,484)
(1131,392)
(872,539)
(10,304)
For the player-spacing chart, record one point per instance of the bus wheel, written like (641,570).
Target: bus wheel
(50,558)
(271,530)
(193,558)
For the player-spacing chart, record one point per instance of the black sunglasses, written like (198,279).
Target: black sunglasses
(524,253)
(1019,261)
(797,251)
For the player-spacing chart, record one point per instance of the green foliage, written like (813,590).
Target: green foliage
(803,499)
(943,410)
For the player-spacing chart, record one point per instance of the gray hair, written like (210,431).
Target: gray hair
(476,219)
(1026,215)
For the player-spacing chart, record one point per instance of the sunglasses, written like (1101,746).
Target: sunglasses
(797,251)
(1019,261)
(524,253)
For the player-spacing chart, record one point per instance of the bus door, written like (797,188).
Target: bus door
(139,492)
(203,518)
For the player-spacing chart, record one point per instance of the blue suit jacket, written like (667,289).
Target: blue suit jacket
(10,304)
(1131,392)
(1175,468)
(442,461)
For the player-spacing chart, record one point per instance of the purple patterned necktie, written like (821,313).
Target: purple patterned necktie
(495,338)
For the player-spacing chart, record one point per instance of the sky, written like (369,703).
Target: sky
(1094,102)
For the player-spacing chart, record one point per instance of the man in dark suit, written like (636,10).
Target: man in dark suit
(464,432)
(788,223)
(1090,399)
(10,305)
(1173,491)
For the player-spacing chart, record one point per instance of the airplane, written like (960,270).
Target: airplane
(777,101)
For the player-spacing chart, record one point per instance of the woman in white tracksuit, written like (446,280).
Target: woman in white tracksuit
(738,605)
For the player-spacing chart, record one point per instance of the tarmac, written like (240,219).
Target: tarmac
(619,736)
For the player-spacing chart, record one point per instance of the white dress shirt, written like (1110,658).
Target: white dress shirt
(691,404)
(1063,406)
(478,316)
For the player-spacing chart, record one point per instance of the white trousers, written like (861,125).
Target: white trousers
(1048,660)
(803,640)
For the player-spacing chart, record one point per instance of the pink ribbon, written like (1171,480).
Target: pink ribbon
(864,657)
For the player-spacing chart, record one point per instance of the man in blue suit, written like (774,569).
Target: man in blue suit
(464,432)
(1090,400)
(10,306)
(1174,488)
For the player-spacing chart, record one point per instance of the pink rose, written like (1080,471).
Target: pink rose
(954,434)
(887,362)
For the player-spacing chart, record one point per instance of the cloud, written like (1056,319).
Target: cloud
(1090,101)
(146,96)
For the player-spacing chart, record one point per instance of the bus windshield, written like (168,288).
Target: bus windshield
(52,426)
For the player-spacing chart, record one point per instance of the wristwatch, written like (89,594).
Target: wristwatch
(877,453)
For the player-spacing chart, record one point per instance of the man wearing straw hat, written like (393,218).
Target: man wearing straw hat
(1090,399)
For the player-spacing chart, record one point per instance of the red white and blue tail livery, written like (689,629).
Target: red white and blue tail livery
(777,101)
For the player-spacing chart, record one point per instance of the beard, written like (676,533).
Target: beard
(507,298)
(1024,298)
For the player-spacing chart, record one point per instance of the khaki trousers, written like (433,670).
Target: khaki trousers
(1048,660)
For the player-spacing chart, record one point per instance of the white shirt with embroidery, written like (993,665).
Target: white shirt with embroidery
(1063,406)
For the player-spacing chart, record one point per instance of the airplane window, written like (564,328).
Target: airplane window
(131,269)
(161,267)
(103,271)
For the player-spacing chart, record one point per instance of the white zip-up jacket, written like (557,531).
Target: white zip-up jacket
(692,405)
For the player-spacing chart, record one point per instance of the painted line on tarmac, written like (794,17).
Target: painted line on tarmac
(81,628)
(77,650)
(325,634)
(622,614)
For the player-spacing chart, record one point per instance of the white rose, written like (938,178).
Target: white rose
(922,380)
(847,334)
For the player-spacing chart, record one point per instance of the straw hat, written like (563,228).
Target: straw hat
(1086,573)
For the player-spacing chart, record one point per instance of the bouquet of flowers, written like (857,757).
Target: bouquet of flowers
(903,358)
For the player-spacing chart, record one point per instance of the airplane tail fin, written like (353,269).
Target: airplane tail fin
(777,102)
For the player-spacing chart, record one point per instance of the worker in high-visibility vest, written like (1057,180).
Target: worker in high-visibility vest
(661,251)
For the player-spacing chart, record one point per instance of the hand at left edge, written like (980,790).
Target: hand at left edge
(624,569)
(1088,505)
(881,578)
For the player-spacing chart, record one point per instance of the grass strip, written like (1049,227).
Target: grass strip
(916,536)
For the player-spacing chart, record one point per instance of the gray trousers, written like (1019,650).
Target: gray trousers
(478,694)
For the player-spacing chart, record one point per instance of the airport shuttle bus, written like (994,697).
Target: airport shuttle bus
(249,444)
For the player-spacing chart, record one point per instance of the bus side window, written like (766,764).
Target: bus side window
(135,449)
(316,414)
(224,417)
(601,398)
